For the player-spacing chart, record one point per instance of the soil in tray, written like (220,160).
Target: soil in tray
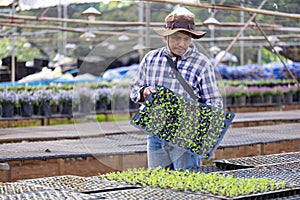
(246,162)
(18,188)
(47,195)
(150,193)
(77,183)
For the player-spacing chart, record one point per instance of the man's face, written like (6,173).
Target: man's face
(179,42)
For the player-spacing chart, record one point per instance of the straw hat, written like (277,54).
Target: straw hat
(181,19)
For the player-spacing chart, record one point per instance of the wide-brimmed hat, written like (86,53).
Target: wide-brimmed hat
(181,19)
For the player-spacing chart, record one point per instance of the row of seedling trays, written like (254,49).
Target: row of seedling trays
(205,182)
(191,125)
(253,161)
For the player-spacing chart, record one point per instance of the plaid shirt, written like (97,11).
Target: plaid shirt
(154,70)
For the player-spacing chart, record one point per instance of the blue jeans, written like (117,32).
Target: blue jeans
(169,156)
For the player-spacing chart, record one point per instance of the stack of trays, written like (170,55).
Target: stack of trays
(191,125)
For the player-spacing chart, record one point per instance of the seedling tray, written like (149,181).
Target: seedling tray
(289,166)
(47,195)
(206,169)
(249,162)
(291,178)
(194,126)
(77,183)
(17,188)
(287,194)
(148,193)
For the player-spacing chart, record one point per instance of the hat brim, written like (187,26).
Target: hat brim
(166,32)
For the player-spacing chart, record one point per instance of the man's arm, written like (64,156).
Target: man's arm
(210,92)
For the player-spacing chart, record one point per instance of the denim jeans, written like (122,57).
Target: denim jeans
(169,156)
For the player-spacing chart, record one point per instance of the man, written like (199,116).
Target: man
(155,70)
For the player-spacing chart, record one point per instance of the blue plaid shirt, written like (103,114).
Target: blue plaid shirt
(154,70)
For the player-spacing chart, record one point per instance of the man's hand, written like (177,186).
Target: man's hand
(147,90)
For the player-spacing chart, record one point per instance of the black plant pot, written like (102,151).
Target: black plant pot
(85,107)
(288,98)
(26,109)
(67,108)
(277,99)
(101,105)
(7,110)
(45,109)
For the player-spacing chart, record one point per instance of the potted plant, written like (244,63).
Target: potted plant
(25,100)
(267,93)
(65,99)
(255,95)
(287,94)
(8,99)
(120,98)
(296,93)
(103,98)
(277,97)
(229,95)
(241,96)
(86,98)
(43,99)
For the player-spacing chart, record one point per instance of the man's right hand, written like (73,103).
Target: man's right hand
(147,90)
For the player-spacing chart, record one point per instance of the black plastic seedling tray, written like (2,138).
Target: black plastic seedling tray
(46,195)
(249,162)
(191,125)
(291,194)
(77,184)
(149,194)
(18,188)
(206,169)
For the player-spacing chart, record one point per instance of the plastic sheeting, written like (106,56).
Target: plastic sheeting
(28,5)
(274,70)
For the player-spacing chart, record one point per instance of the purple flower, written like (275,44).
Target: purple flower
(25,97)
(8,97)
(103,94)
(43,95)
(64,96)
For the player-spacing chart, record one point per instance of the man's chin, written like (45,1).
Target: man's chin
(179,53)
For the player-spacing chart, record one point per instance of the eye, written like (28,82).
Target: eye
(187,39)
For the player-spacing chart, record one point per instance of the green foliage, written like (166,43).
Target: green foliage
(188,124)
(22,53)
(211,183)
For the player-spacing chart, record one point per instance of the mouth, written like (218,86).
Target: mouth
(179,49)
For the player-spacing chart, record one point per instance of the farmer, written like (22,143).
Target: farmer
(155,70)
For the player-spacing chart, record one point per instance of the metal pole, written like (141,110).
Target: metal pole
(141,31)
(239,34)
(148,20)
(242,58)
(276,53)
(13,52)
(65,26)
(259,56)
(212,31)
(59,15)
